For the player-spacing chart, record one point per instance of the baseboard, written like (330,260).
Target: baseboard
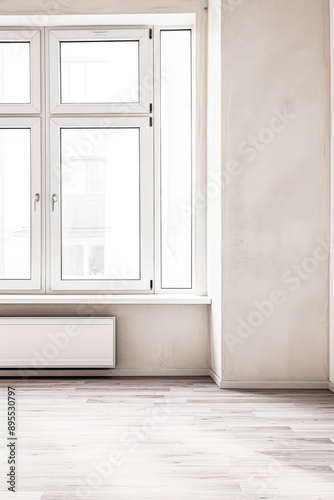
(187,372)
(276,384)
(215,378)
(93,372)
(182,372)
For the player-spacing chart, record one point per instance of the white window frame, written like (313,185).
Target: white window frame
(34,39)
(52,112)
(100,34)
(157,152)
(146,205)
(32,123)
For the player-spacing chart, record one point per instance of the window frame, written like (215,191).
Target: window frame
(146,205)
(34,39)
(34,283)
(86,34)
(157,154)
(198,265)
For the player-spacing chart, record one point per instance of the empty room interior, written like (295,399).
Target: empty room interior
(166,249)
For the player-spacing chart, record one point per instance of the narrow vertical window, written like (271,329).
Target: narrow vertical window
(176,159)
(15,230)
(20,203)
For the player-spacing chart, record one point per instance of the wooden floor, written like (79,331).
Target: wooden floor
(108,439)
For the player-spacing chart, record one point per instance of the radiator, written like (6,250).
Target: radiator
(57,342)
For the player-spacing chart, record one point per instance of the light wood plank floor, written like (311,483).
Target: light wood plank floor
(109,439)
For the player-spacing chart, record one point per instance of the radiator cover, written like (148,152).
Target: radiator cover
(42,342)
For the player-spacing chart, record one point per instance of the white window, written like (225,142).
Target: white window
(112,137)
(100,71)
(20,208)
(176,159)
(20,71)
(102,210)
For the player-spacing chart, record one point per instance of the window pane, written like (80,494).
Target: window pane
(14,72)
(176,136)
(100,180)
(99,72)
(15,204)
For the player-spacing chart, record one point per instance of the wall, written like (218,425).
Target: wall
(214,192)
(275,198)
(151,339)
(331,324)
(275,109)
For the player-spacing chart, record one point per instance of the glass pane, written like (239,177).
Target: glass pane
(99,72)
(15,72)
(15,204)
(176,137)
(100,203)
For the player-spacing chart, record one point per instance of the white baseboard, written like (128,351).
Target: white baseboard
(215,378)
(181,372)
(276,384)
(197,372)
(113,372)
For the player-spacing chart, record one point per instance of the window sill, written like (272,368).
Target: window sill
(105,299)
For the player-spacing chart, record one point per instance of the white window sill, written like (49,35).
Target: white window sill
(104,299)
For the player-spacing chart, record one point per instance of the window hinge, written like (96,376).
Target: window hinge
(151,121)
(151,284)
(151,33)
(151,107)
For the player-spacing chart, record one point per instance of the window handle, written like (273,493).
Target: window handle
(37,198)
(54,200)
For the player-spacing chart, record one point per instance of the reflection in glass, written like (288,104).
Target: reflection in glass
(100,203)
(15,204)
(99,72)
(14,72)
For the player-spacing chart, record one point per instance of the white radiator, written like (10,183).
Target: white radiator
(57,342)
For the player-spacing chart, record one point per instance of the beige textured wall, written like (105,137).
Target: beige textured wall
(275,110)
(214,205)
(275,201)
(149,337)
(331,324)
(40,7)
